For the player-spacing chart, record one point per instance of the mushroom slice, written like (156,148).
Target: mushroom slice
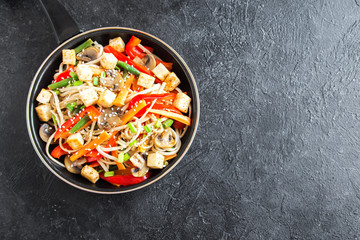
(109,118)
(74,166)
(165,139)
(46,131)
(149,61)
(113,81)
(140,168)
(88,54)
(139,172)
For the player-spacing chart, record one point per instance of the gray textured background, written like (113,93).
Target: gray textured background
(277,152)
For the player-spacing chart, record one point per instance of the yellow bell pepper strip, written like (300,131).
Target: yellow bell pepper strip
(181,118)
(90,146)
(132,112)
(121,97)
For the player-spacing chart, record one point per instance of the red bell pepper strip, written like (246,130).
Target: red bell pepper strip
(64,74)
(164,107)
(94,164)
(92,153)
(150,97)
(179,125)
(124,180)
(132,49)
(168,65)
(123,58)
(133,42)
(65,128)
(58,151)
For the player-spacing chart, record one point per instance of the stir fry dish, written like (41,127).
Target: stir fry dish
(113,112)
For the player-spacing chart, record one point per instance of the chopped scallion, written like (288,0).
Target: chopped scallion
(101,170)
(117,68)
(57,92)
(126,157)
(121,157)
(109,174)
(147,128)
(54,119)
(168,123)
(77,83)
(132,127)
(71,106)
(158,123)
(102,74)
(132,143)
(96,81)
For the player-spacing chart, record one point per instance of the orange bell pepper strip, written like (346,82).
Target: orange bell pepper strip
(168,65)
(112,143)
(136,87)
(132,112)
(121,97)
(181,118)
(167,158)
(90,146)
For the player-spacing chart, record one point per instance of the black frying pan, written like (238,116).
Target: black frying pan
(69,36)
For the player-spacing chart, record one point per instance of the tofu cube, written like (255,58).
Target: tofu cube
(90,174)
(172,81)
(106,98)
(69,56)
(89,97)
(75,141)
(118,44)
(155,160)
(43,112)
(182,102)
(108,61)
(161,71)
(44,96)
(145,80)
(84,72)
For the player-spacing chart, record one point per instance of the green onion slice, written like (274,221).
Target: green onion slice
(132,127)
(109,174)
(168,123)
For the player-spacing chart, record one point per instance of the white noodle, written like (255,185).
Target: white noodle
(106,169)
(48,153)
(99,149)
(56,99)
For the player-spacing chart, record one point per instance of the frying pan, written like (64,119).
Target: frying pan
(69,36)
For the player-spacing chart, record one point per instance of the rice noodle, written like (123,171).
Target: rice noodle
(56,99)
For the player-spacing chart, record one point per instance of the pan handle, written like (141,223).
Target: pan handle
(63,24)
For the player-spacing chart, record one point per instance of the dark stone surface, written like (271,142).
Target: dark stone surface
(277,152)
